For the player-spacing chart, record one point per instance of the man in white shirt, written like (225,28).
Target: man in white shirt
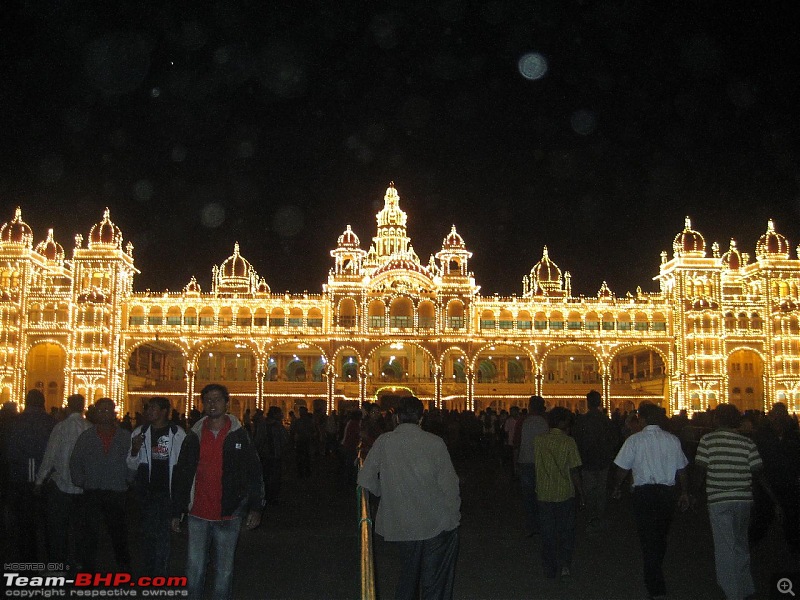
(62,496)
(410,469)
(656,459)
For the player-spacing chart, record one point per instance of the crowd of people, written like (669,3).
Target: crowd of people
(72,471)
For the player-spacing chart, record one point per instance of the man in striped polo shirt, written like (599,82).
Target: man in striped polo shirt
(729,462)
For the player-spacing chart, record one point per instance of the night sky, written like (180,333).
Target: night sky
(591,127)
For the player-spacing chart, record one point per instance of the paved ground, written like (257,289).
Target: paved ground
(307,548)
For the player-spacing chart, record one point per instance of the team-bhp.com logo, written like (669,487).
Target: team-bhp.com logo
(92,585)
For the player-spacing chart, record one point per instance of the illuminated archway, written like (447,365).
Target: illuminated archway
(44,370)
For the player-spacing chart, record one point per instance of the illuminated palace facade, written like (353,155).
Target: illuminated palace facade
(722,327)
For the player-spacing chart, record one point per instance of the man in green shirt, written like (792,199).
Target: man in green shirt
(558,479)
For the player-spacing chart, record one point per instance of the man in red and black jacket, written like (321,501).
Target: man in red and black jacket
(218,483)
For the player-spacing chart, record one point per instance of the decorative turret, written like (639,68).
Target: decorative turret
(454,255)
(16,231)
(105,233)
(235,275)
(732,259)
(772,244)
(689,242)
(348,256)
(52,251)
(392,239)
(192,288)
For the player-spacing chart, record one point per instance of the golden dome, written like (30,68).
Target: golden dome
(453,241)
(772,243)
(235,266)
(732,259)
(16,231)
(546,271)
(192,287)
(605,291)
(263,288)
(348,239)
(105,232)
(51,249)
(689,242)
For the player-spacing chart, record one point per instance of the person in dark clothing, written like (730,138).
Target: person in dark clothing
(271,441)
(303,433)
(155,448)
(778,443)
(26,442)
(597,441)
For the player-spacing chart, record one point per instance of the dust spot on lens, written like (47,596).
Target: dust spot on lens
(212,215)
(532,66)
(143,190)
(288,221)
(583,122)
(178,153)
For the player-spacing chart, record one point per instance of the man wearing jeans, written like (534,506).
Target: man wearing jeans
(217,481)
(410,469)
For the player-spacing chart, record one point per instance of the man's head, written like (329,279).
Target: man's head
(594,400)
(215,399)
(536,405)
(158,410)
(650,413)
(410,410)
(727,415)
(34,399)
(559,418)
(76,403)
(105,411)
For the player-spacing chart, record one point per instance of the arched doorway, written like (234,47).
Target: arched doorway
(638,373)
(155,368)
(568,374)
(44,370)
(503,377)
(232,364)
(746,380)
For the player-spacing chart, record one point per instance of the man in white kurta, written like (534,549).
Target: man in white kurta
(410,469)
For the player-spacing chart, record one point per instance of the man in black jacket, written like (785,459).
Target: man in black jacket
(217,481)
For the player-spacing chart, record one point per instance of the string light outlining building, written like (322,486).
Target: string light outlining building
(722,327)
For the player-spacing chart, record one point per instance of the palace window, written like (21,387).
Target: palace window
(455,322)
(427,322)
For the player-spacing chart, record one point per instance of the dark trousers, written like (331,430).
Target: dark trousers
(156,516)
(107,506)
(429,566)
(64,512)
(557,525)
(527,484)
(654,507)
(27,520)
(272,471)
(302,449)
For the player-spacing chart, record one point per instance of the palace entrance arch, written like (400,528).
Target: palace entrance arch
(637,373)
(155,368)
(503,377)
(568,373)
(746,380)
(233,364)
(44,370)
